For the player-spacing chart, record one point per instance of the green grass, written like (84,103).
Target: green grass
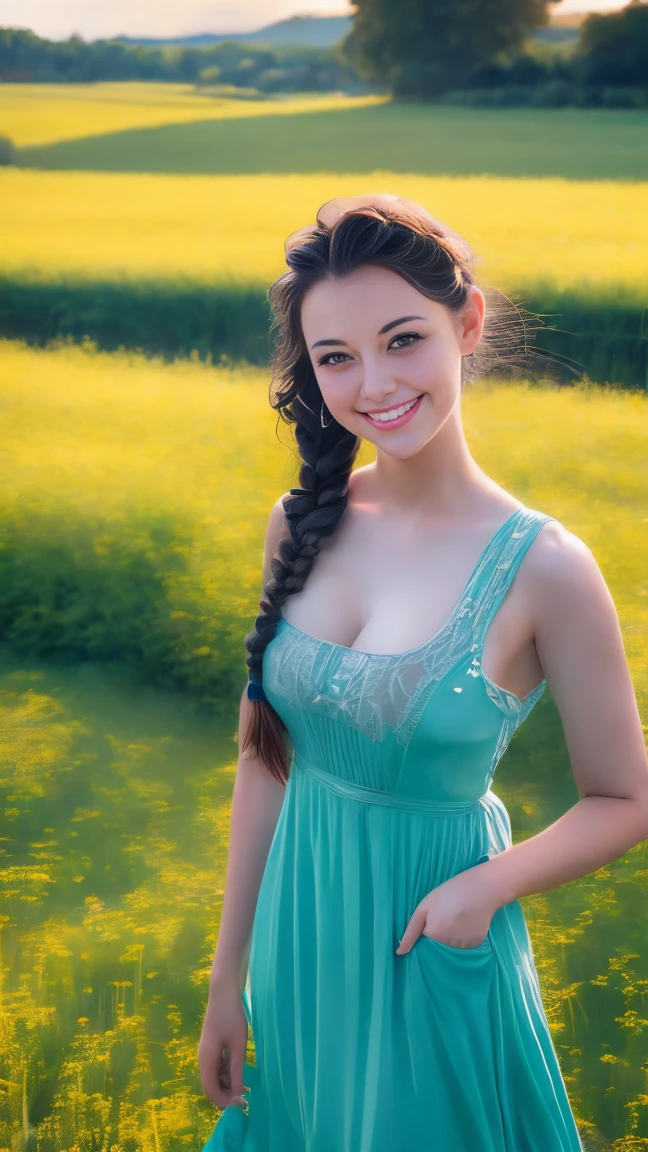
(116,813)
(166,219)
(596,332)
(36,114)
(135,497)
(577,144)
(134,500)
(137,127)
(175,263)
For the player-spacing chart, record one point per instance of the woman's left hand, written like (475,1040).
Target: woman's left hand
(457,912)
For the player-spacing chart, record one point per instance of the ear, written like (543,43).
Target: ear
(471,320)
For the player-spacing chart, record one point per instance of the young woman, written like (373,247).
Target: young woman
(371,932)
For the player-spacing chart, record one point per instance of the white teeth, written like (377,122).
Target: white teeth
(393,413)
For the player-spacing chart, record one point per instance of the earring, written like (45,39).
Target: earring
(322,417)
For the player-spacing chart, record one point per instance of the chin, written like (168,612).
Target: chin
(403,451)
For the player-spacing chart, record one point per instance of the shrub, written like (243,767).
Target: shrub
(7,150)
(555,94)
(630,97)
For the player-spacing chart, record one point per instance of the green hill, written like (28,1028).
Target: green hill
(311,31)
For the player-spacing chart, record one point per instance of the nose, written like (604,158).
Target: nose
(378,385)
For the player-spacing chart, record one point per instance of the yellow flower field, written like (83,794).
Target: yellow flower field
(135,496)
(527,232)
(94,438)
(43,113)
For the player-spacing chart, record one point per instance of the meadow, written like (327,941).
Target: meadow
(156,219)
(135,485)
(134,506)
(39,114)
(231,229)
(172,128)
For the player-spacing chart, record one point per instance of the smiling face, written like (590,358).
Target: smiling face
(387,358)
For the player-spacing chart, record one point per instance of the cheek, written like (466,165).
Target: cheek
(432,369)
(339,389)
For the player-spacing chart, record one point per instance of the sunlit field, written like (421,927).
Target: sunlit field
(153,216)
(232,228)
(34,114)
(116,810)
(119,458)
(135,496)
(173,128)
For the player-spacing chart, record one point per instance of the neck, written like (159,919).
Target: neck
(442,481)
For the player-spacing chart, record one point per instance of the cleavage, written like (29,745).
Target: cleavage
(518,671)
(394,647)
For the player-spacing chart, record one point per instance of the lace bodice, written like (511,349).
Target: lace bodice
(376,693)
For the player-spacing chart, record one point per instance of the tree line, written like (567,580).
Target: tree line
(25,57)
(471,51)
(457,51)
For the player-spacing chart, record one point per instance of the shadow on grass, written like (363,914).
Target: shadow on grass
(586,144)
(594,332)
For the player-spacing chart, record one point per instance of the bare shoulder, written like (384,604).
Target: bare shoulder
(579,643)
(563,574)
(276,530)
(277,523)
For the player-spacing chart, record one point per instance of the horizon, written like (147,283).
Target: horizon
(158,19)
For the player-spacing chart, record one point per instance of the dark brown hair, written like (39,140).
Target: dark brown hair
(395,234)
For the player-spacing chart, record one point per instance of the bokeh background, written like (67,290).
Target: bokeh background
(152,163)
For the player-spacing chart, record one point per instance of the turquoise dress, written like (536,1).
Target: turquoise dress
(442,1049)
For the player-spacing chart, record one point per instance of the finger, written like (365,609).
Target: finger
(236,1073)
(220,1082)
(412,932)
(224,1073)
(212,1089)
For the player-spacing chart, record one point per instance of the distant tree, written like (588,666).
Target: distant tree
(613,47)
(423,48)
(25,58)
(185,63)
(7,150)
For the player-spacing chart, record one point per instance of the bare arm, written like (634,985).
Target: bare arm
(580,647)
(256,802)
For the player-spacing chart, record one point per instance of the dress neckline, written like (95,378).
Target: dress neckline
(444,627)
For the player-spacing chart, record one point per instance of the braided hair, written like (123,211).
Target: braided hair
(396,234)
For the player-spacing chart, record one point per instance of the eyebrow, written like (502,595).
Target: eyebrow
(385,328)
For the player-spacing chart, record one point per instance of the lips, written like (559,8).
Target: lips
(389,407)
(398,421)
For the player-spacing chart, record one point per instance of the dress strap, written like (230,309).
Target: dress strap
(501,568)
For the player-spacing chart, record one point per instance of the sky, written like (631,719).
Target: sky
(94,19)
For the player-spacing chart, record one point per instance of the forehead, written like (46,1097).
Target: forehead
(369,295)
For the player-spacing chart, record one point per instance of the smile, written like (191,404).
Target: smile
(394,417)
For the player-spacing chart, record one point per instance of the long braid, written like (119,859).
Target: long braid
(392,233)
(312,512)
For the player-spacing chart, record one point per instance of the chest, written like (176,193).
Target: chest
(383,587)
(383,620)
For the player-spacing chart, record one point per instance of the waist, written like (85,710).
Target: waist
(368,795)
